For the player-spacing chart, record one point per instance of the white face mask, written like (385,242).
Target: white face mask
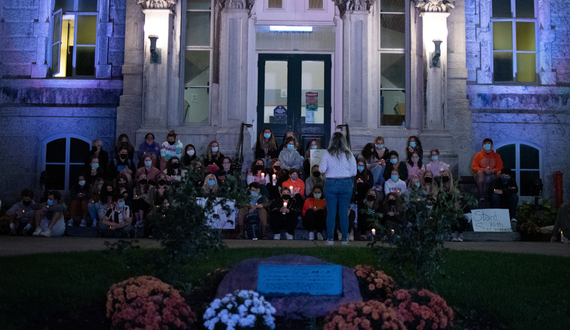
(190,152)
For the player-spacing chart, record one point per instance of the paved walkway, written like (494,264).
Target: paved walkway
(11,246)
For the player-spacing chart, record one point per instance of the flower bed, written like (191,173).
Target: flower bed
(368,315)
(373,284)
(242,310)
(421,309)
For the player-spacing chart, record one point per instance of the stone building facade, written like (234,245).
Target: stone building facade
(74,71)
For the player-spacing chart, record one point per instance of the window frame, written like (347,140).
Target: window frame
(518,169)
(407,59)
(67,162)
(183,49)
(514,20)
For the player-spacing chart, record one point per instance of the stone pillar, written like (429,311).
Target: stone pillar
(41,32)
(104,31)
(546,37)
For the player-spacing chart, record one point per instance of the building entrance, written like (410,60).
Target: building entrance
(294,94)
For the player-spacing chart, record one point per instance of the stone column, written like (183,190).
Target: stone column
(41,32)
(104,31)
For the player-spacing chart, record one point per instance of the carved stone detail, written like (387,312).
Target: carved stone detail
(435,5)
(237,4)
(156,4)
(353,5)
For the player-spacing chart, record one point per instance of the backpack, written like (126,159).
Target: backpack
(252,226)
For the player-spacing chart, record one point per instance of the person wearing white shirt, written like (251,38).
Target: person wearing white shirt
(339,166)
(394,184)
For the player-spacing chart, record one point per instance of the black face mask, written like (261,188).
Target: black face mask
(171,143)
(445,178)
(259,167)
(123,156)
(370,198)
(316,174)
(277,168)
(175,165)
(428,180)
(286,197)
(26,203)
(392,201)
(110,192)
(122,184)
(143,181)
(162,182)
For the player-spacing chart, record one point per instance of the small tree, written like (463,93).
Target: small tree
(418,239)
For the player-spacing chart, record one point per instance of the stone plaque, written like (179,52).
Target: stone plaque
(316,280)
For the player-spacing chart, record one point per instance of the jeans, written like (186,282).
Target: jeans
(93,210)
(338,192)
(503,202)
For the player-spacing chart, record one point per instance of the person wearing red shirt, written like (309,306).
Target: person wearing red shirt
(486,165)
(315,214)
(294,181)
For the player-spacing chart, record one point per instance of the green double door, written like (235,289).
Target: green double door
(294,94)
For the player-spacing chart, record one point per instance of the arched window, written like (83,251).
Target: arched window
(525,162)
(64,159)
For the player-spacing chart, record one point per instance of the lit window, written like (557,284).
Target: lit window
(514,41)
(524,160)
(64,160)
(197,59)
(74,38)
(393,61)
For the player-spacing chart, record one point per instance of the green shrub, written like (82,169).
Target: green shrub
(530,219)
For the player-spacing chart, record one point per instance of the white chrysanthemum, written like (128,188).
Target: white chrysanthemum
(242,310)
(210,312)
(247,302)
(270,321)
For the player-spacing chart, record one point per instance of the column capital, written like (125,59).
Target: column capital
(236,4)
(435,5)
(353,5)
(157,4)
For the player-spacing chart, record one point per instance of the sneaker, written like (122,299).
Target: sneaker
(454,236)
(12,232)
(482,199)
(363,238)
(565,240)
(351,237)
(37,232)
(289,236)
(311,236)
(46,233)
(319,236)
(94,224)
(83,223)
(460,238)
(513,220)
(345,242)
(277,237)
(70,223)
(330,242)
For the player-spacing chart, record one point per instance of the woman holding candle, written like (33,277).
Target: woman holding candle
(415,166)
(393,210)
(315,213)
(366,210)
(436,166)
(276,177)
(140,206)
(339,166)
(256,173)
(283,215)
(395,184)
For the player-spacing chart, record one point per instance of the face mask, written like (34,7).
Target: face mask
(81,183)
(190,152)
(49,202)
(254,194)
(162,182)
(314,147)
(445,178)
(175,165)
(379,146)
(99,187)
(505,180)
(412,144)
(267,135)
(428,180)
(290,146)
(123,156)
(26,203)
(286,197)
(435,157)
(122,184)
(147,163)
(95,165)
(415,159)
(171,143)
(259,167)
(392,201)
(277,168)
(370,198)
(487,147)
(143,181)
(316,174)
(394,177)
(394,160)
(360,168)
(122,204)
(215,149)
(417,184)
(317,196)
(110,192)
(211,182)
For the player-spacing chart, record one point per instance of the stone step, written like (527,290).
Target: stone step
(82,231)
(472,236)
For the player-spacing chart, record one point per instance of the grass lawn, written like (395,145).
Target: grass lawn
(522,291)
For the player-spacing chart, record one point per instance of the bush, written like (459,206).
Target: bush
(367,315)
(421,309)
(530,219)
(374,285)
(245,309)
(146,302)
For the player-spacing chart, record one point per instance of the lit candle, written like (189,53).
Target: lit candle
(392,230)
(373,232)
(291,189)
(284,205)
(274,179)
(262,176)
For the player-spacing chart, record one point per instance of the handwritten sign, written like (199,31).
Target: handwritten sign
(316,280)
(491,220)
(218,218)
(316,156)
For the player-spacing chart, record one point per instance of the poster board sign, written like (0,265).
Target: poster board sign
(311,106)
(223,220)
(316,280)
(316,156)
(491,220)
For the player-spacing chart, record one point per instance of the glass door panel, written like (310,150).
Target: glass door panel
(313,92)
(275,94)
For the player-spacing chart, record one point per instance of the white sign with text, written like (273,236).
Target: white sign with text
(218,218)
(491,220)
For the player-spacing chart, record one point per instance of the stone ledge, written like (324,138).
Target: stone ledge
(62,83)
(471,236)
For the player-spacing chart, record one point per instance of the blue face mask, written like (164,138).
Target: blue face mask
(505,180)
(290,146)
(317,195)
(360,168)
(122,204)
(394,177)
(394,160)
(487,147)
(211,182)
(95,165)
(417,184)
(215,149)
(49,202)
(147,163)
(412,144)
(267,135)
(435,157)
(254,194)
(314,147)
(379,146)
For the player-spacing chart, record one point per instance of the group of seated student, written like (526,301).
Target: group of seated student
(116,196)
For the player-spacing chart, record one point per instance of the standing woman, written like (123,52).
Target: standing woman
(339,166)
(266,147)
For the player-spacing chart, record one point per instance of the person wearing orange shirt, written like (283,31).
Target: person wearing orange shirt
(315,214)
(294,181)
(486,165)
